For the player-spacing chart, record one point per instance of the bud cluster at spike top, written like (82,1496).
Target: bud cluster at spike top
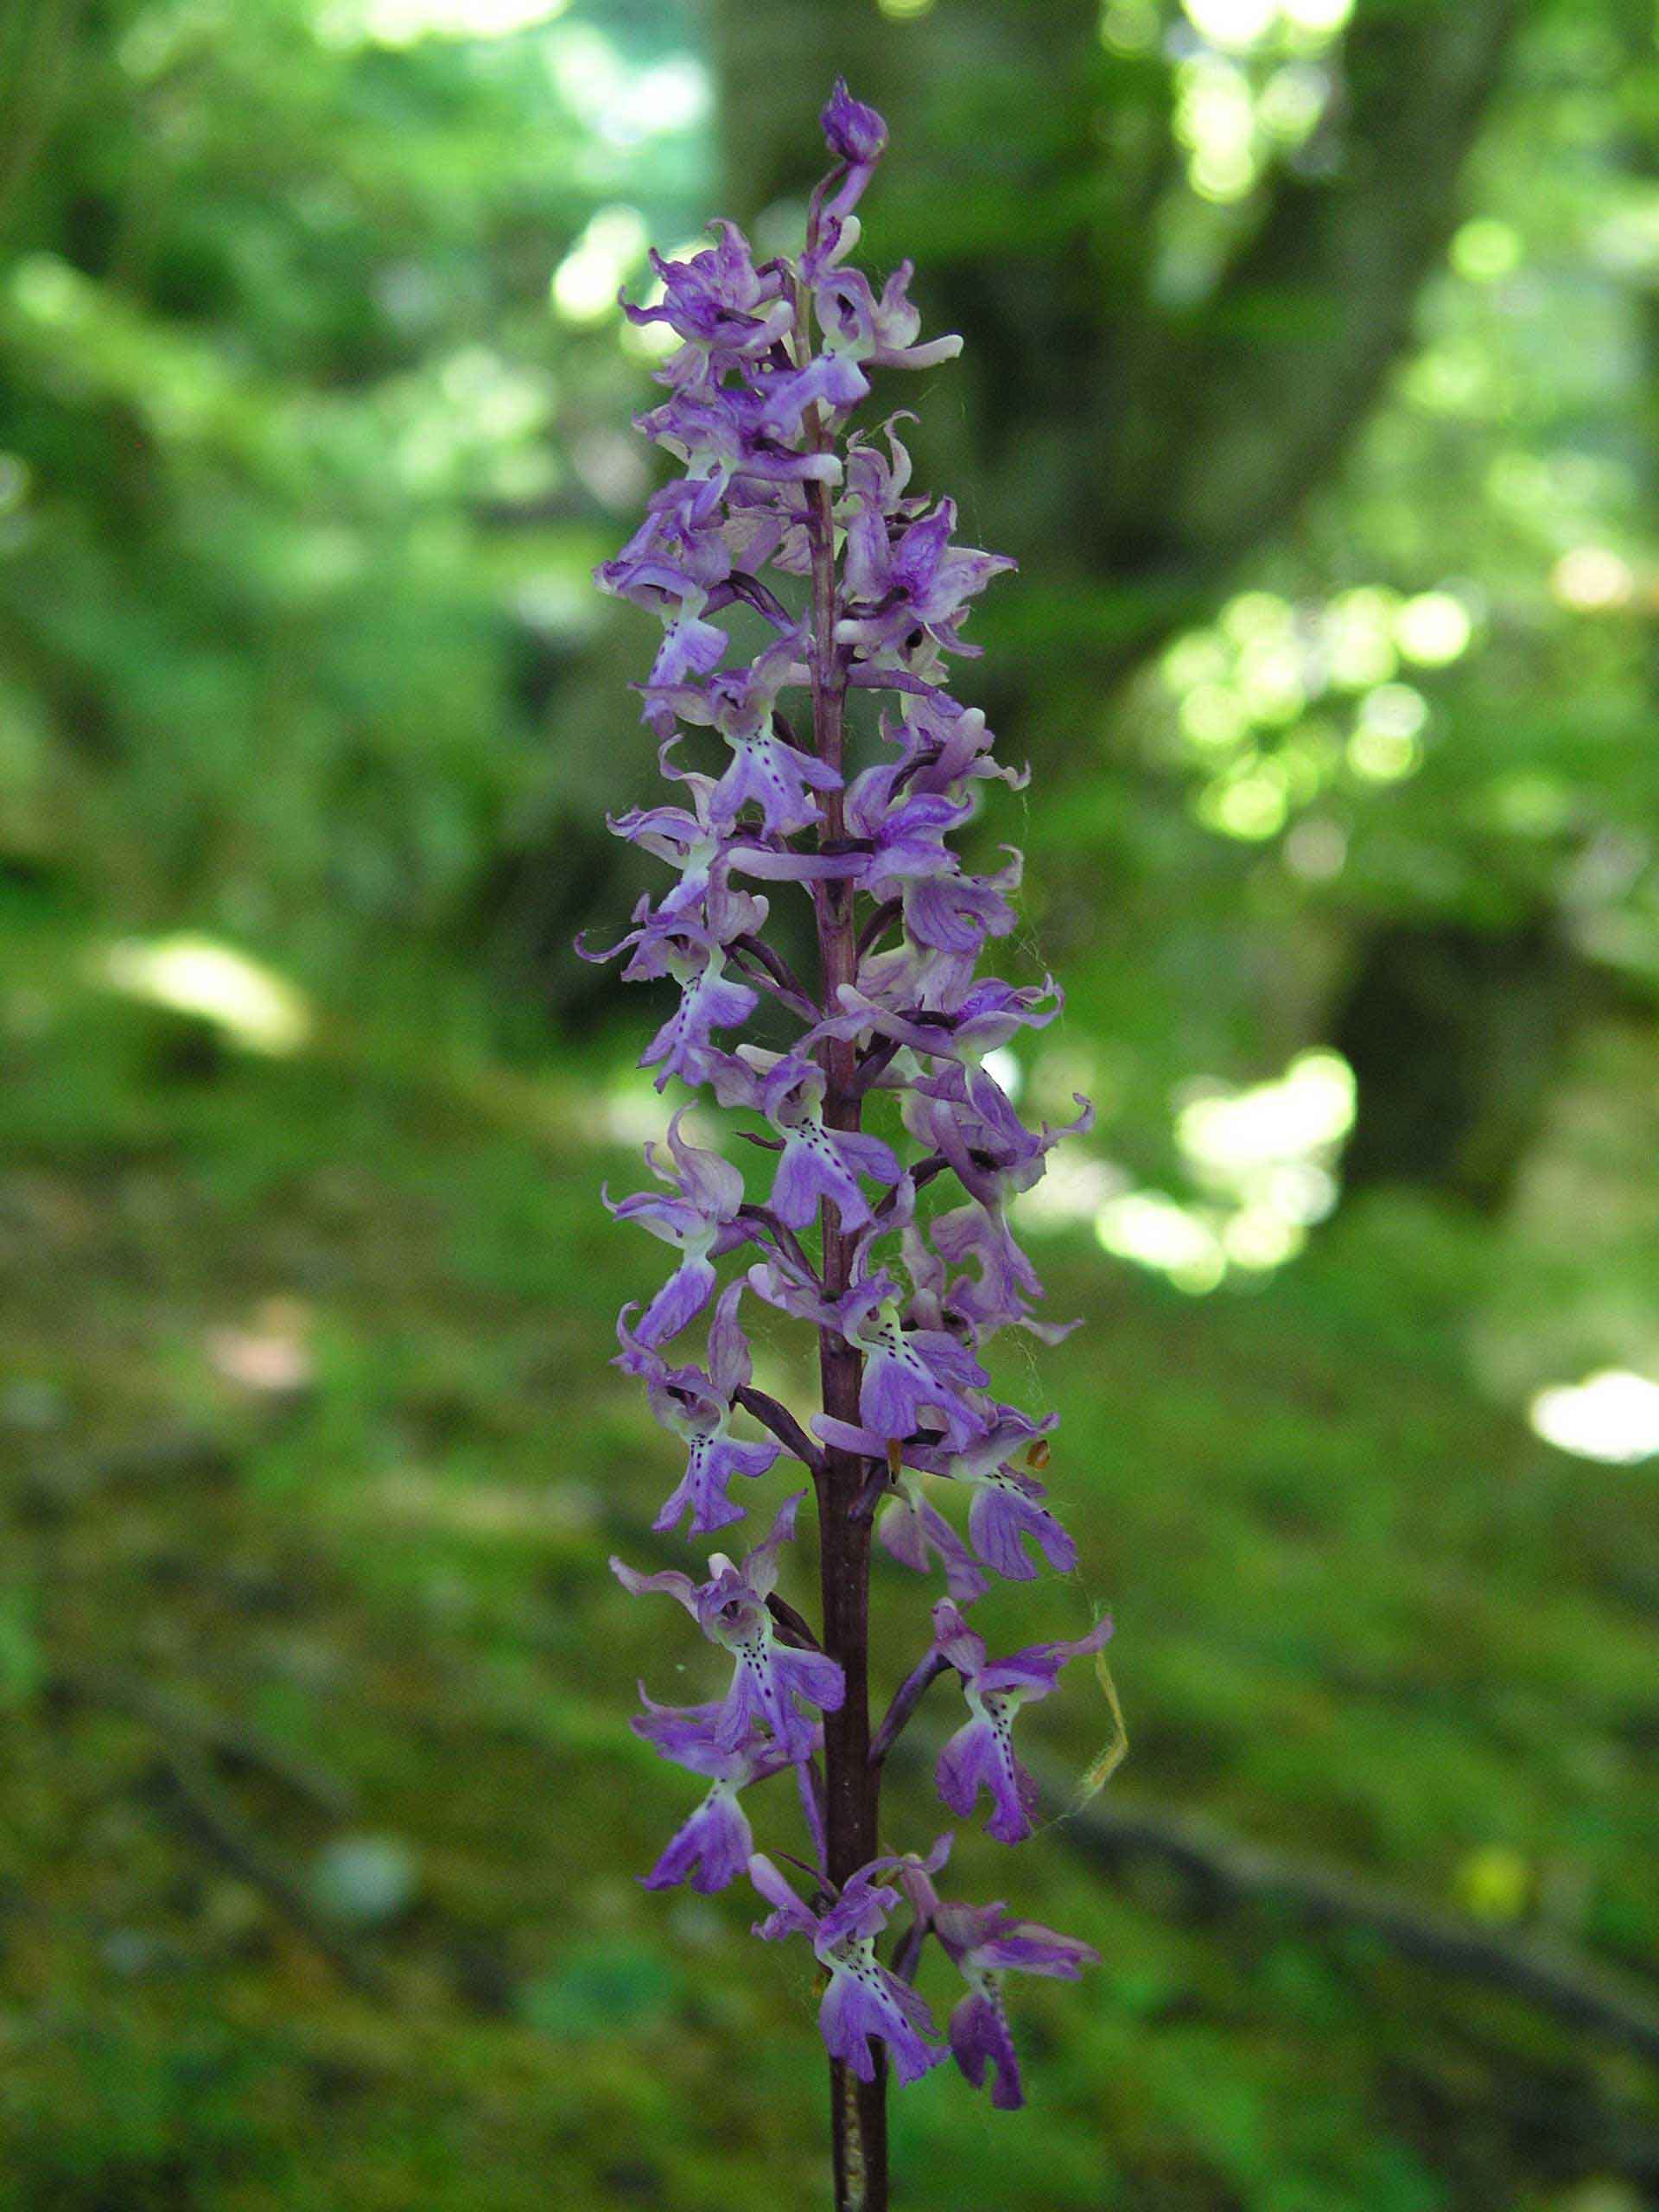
(774,361)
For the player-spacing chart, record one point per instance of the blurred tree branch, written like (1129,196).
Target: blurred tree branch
(1230,1875)
(1224,1873)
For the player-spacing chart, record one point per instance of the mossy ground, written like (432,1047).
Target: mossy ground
(1360,1609)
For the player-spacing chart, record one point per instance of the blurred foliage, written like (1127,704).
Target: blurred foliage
(298,467)
(1337,670)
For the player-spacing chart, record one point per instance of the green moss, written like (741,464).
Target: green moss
(1359,1608)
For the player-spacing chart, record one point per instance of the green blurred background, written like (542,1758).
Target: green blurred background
(1310,374)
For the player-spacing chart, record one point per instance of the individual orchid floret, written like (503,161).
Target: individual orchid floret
(981,1755)
(709,1001)
(766,770)
(697,1407)
(983,1019)
(770,774)
(912,1378)
(857,136)
(726,311)
(906,830)
(1006,1511)
(901,590)
(855,133)
(913,1530)
(1001,1294)
(884,332)
(712,1846)
(770,1680)
(698,1220)
(984,1943)
(911,1527)
(865,2003)
(728,434)
(908,1372)
(817,1162)
(990,1151)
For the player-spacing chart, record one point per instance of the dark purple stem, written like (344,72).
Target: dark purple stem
(783,1424)
(778,977)
(905,1699)
(852,1786)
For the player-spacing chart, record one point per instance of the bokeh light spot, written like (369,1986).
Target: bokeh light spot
(1612,1416)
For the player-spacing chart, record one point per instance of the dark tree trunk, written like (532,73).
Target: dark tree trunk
(1455,1035)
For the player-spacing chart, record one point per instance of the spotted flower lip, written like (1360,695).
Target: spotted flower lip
(984,1943)
(864,2002)
(696,1406)
(712,1846)
(818,1163)
(770,1681)
(980,1755)
(808,601)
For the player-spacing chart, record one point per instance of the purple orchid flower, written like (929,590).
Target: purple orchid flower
(698,1221)
(911,1527)
(981,1755)
(917,581)
(817,1162)
(984,1943)
(1006,1509)
(770,1680)
(727,311)
(709,1000)
(908,1372)
(697,1407)
(865,2002)
(712,1846)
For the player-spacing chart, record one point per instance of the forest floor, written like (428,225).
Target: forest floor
(322,1818)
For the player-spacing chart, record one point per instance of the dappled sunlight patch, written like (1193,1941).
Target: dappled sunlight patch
(405,23)
(1495,1882)
(1612,1416)
(1230,1134)
(586,282)
(623,106)
(1592,579)
(1263,1157)
(1281,704)
(1002,1064)
(1157,1232)
(1074,1189)
(273,1356)
(655,341)
(632,1113)
(1251,81)
(253,1006)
